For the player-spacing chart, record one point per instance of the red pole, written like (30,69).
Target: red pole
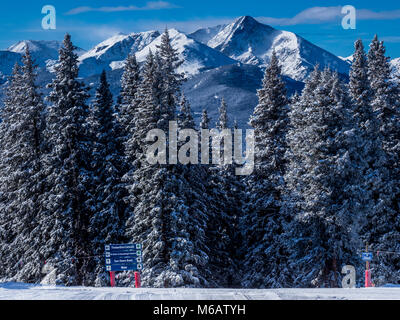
(367,271)
(137,280)
(368,283)
(112,279)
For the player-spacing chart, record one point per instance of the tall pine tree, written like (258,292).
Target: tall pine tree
(127,113)
(225,209)
(106,222)
(324,178)
(171,80)
(264,258)
(68,201)
(385,104)
(21,175)
(157,191)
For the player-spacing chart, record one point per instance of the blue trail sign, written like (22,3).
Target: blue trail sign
(367,256)
(123,257)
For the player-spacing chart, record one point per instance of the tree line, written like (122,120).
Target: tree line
(74,177)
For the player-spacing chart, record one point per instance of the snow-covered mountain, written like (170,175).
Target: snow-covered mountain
(197,56)
(245,40)
(109,54)
(7,61)
(348,59)
(112,53)
(206,34)
(43,52)
(395,63)
(251,42)
(225,61)
(237,84)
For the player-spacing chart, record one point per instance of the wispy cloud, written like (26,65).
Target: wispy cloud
(152,5)
(391,39)
(318,15)
(314,15)
(184,26)
(365,14)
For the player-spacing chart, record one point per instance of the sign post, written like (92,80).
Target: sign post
(367,257)
(112,279)
(123,257)
(137,280)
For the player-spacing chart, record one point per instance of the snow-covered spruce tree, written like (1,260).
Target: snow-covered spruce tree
(21,177)
(215,199)
(157,191)
(128,104)
(294,173)
(377,183)
(130,81)
(225,190)
(7,234)
(185,116)
(148,93)
(197,200)
(127,112)
(121,137)
(109,210)
(221,263)
(143,223)
(264,258)
(205,120)
(222,122)
(324,177)
(384,98)
(171,79)
(295,170)
(67,200)
(385,102)
(205,125)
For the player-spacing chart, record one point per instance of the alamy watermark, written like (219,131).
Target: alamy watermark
(183,147)
(349,21)
(49,22)
(349,277)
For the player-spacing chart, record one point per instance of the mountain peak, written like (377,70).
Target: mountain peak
(240,39)
(109,53)
(246,20)
(197,56)
(34,45)
(252,42)
(41,50)
(248,23)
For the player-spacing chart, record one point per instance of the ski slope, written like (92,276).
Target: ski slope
(19,291)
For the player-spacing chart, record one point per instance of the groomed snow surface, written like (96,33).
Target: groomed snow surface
(20,291)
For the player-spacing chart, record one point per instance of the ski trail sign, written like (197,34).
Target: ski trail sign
(123,257)
(367,256)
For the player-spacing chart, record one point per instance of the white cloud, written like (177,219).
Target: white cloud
(365,14)
(152,5)
(391,39)
(184,26)
(313,15)
(318,15)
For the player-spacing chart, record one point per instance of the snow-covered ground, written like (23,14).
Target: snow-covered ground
(18,291)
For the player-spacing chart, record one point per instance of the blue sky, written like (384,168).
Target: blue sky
(91,21)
